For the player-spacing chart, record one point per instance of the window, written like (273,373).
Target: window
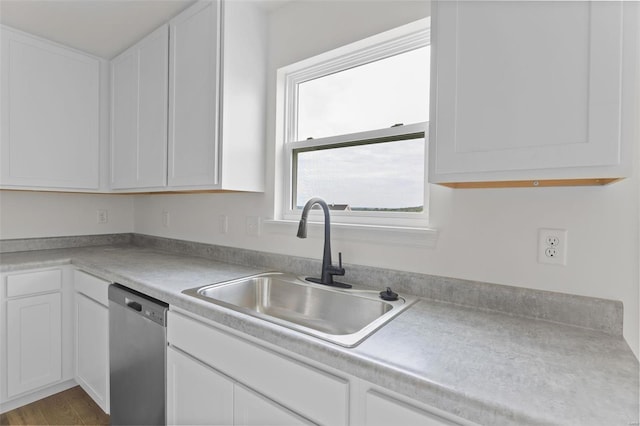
(354,128)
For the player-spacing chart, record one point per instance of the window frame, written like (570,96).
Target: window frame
(383,45)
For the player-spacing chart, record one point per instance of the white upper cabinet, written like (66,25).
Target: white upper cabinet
(217,90)
(193,96)
(529,90)
(193,117)
(139,79)
(50,115)
(244,82)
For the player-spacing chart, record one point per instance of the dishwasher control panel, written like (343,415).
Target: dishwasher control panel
(152,309)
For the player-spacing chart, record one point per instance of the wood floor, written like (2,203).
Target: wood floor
(71,407)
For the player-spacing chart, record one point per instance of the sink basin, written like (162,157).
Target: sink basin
(344,317)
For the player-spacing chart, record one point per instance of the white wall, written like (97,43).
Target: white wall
(487,235)
(25,214)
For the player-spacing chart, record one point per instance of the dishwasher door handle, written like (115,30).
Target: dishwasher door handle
(133,304)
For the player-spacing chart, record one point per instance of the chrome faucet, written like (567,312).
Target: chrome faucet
(328,269)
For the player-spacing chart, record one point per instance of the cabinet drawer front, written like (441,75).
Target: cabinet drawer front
(34,282)
(92,287)
(312,393)
(383,410)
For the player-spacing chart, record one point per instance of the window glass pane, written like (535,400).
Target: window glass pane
(386,176)
(372,96)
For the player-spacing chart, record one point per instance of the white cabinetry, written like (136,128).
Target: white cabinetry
(252,409)
(265,383)
(35,337)
(383,410)
(219,377)
(50,113)
(196,394)
(527,91)
(34,342)
(243,97)
(216,103)
(92,336)
(217,90)
(193,96)
(139,79)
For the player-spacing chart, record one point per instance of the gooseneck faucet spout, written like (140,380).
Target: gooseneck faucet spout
(328,269)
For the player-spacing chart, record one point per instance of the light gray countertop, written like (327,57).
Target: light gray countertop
(488,367)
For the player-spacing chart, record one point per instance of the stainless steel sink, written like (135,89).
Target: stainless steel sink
(345,317)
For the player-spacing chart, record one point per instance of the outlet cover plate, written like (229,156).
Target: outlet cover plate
(102,216)
(552,246)
(223,223)
(253,226)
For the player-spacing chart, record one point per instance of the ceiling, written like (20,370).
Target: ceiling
(100,27)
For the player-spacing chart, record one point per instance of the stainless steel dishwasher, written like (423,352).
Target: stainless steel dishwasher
(137,357)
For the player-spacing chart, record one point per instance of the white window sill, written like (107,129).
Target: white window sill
(376,234)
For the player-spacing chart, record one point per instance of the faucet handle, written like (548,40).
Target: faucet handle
(338,270)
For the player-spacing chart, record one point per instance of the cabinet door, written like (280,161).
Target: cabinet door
(193,96)
(139,113)
(34,342)
(382,410)
(253,409)
(92,349)
(49,103)
(523,88)
(196,394)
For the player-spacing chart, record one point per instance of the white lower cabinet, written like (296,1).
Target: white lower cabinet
(92,337)
(34,342)
(196,394)
(35,334)
(92,349)
(384,410)
(218,376)
(199,395)
(269,388)
(56,334)
(253,409)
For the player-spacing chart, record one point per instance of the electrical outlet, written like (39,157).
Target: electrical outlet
(552,240)
(253,226)
(165,218)
(102,216)
(552,246)
(551,252)
(224,223)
